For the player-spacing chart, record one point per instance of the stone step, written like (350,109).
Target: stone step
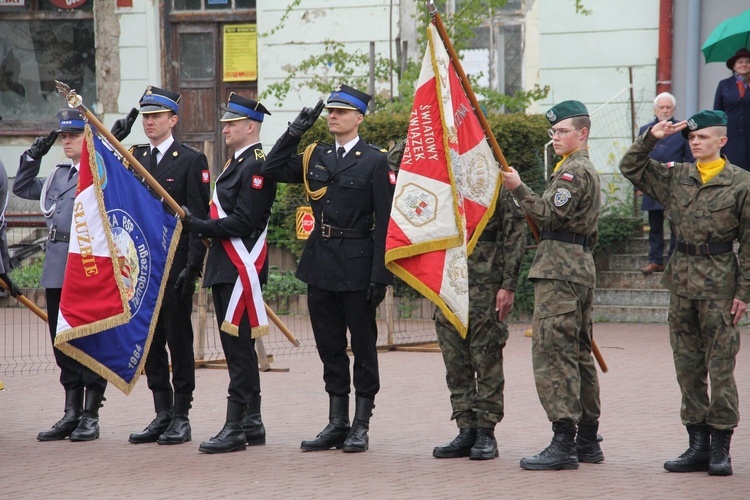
(629,314)
(628,280)
(627,262)
(631,297)
(640,245)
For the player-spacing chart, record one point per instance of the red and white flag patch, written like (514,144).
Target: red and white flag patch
(258,181)
(392,177)
(669,164)
(205,176)
(567,177)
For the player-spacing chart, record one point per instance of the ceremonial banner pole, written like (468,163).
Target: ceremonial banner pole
(75,101)
(23,300)
(490,136)
(474,102)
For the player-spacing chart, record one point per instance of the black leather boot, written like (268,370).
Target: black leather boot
(485,447)
(68,423)
(561,452)
(255,432)
(335,433)
(695,458)
(178,431)
(231,437)
(720,462)
(587,443)
(88,427)
(357,441)
(459,447)
(163,407)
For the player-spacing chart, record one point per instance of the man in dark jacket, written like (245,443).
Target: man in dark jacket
(350,188)
(183,172)
(240,210)
(673,148)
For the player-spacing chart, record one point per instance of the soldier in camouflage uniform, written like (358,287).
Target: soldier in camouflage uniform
(564,278)
(709,204)
(474,365)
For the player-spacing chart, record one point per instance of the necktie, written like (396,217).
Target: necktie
(340,154)
(72,172)
(152,165)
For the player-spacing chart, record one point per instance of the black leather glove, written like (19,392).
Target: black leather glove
(375,294)
(185,284)
(188,219)
(306,119)
(121,128)
(12,287)
(42,145)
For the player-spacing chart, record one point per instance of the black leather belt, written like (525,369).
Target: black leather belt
(55,235)
(489,237)
(329,231)
(565,236)
(705,248)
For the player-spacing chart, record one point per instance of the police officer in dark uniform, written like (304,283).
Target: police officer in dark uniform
(183,172)
(350,188)
(56,195)
(240,211)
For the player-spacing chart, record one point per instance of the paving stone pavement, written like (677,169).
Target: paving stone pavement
(640,425)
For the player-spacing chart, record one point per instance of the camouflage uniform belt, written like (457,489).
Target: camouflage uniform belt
(705,248)
(565,236)
(329,231)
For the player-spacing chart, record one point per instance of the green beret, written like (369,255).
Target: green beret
(566,109)
(704,119)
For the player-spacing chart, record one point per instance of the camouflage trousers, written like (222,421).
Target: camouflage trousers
(705,344)
(564,371)
(474,365)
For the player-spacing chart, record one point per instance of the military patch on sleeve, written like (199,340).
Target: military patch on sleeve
(567,177)
(669,164)
(205,176)
(392,177)
(258,181)
(562,196)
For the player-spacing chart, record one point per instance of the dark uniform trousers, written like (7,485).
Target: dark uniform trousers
(183,173)
(242,360)
(73,375)
(330,314)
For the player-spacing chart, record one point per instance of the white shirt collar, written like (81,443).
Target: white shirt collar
(164,146)
(348,146)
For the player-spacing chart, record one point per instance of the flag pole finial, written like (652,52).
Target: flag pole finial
(431,8)
(73,99)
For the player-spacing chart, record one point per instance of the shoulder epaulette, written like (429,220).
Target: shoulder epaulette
(191,148)
(377,148)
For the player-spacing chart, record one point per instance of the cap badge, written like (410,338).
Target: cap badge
(551,115)
(691,124)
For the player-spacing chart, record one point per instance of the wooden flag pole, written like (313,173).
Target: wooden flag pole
(490,136)
(23,300)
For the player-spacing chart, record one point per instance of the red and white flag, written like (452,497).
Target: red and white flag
(446,189)
(91,277)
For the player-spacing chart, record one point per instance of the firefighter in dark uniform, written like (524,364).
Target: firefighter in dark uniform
(241,208)
(56,195)
(350,188)
(183,172)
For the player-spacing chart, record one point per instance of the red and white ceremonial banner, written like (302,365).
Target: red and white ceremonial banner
(446,189)
(247,296)
(90,274)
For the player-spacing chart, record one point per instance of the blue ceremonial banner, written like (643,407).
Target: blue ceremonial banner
(141,236)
